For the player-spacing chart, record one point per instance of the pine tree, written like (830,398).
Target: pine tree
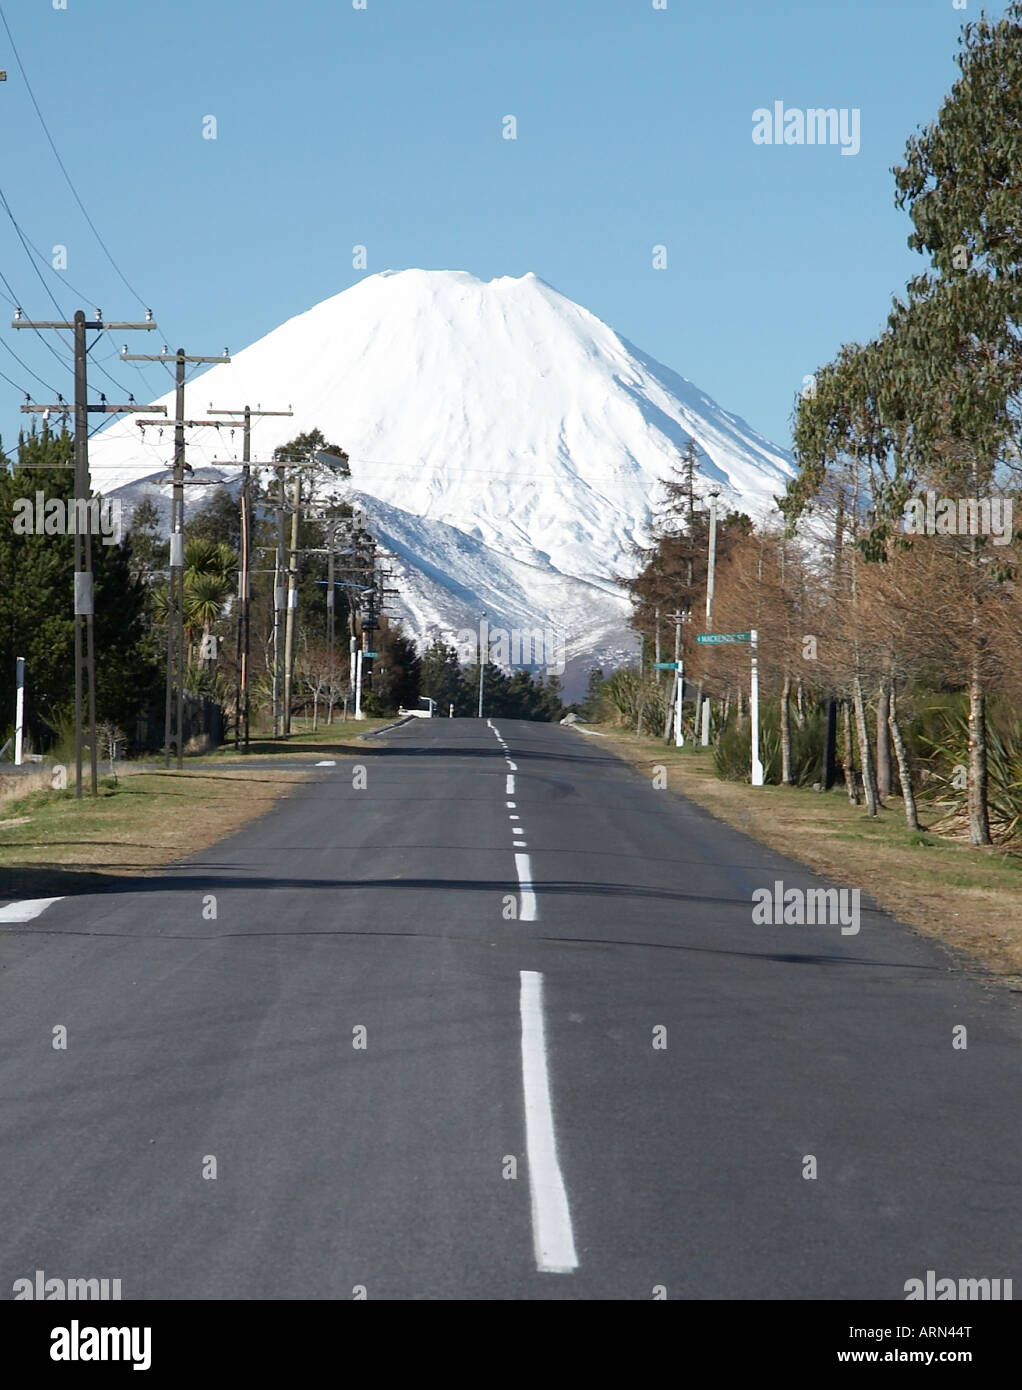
(149,553)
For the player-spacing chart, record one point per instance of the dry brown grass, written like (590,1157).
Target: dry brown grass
(142,822)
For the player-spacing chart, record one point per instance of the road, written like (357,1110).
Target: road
(509,1130)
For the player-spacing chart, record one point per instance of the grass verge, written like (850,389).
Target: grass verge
(52,844)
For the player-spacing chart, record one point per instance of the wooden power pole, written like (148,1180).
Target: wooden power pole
(85,650)
(244,595)
(173,723)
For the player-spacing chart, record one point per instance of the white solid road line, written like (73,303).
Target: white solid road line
(511,765)
(26,909)
(552,1236)
(509,789)
(327,763)
(524,870)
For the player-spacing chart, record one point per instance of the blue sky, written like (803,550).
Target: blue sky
(382,127)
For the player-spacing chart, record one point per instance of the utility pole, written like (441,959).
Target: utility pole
(711,561)
(85,654)
(292,606)
(484,653)
(278,602)
(330,609)
(173,724)
(283,651)
(711,568)
(244,595)
(678,689)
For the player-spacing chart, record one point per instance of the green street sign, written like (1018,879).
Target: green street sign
(366,655)
(706,639)
(666,665)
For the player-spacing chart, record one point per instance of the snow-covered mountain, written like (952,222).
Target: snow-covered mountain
(507,444)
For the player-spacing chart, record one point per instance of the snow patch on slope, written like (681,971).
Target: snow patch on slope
(507,443)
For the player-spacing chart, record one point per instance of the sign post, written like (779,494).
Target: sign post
(715,639)
(679,686)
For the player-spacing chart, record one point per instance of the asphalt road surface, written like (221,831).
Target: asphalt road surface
(586,1071)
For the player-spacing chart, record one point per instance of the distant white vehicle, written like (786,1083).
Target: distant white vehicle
(428,713)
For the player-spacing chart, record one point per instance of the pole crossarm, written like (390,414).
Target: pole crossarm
(169,356)
(83,609)
(182,424)
(98,324)
(211,411)
(67,408)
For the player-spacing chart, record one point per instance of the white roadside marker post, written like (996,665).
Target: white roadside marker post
(358,685)
(679,737)
(757,766)
(705,740)
(19,711)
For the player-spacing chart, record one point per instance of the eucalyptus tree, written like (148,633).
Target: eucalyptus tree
(962,184)
(844,449)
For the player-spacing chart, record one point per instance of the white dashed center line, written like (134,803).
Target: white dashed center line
(523,868)
(552,1236)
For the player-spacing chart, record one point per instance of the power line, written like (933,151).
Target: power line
(14,383)
(47,261)
(52,391)
(60,162)
(28,253)
(18,301)
(28,245)
(52,298)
